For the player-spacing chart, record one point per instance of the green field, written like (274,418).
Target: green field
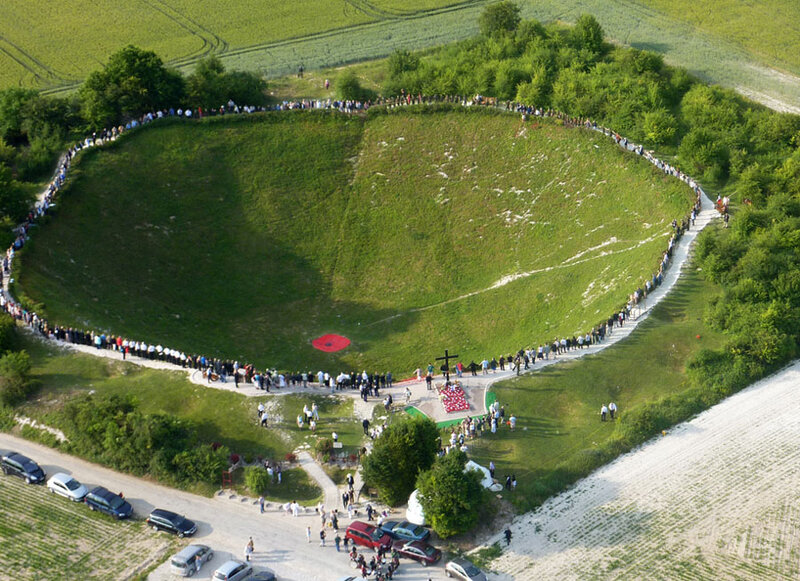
(559,436)
(729,42)
(46,536)
(247,238)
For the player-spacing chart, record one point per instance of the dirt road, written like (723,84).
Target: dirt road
(223,523)
(716,498)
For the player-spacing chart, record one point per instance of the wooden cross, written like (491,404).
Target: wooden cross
(447,357)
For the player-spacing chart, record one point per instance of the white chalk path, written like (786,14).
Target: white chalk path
(716,498)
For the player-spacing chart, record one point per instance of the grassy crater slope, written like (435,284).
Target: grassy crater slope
(405,232)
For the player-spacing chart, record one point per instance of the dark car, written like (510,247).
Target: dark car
(419,551)
(22,466)
(262,576)
(105,501)
(367,535)
(166,520)
(402,529)
(464,570)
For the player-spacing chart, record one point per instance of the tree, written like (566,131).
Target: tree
(12,107)
(134,81)
(499,18)
(588,34)
(210,86)
(449,496)
(405,449)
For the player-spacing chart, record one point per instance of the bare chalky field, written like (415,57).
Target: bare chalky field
(716,498)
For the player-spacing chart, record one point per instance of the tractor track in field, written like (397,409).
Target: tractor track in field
(30,63)
(212,43)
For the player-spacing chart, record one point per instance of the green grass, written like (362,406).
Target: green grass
(254,236)
(45,535)
(559,435)
(221,416)
(723,41)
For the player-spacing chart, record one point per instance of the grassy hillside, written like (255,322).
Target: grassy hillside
(247,238)
(559,436)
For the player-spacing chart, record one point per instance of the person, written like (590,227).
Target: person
(507,534)
(261,503)
(603,412)
(365,425)
(350,481)
(248,549)
(429,381)
(508,482)
(491,469)
(335,437)
(512,421)
(322,537)
(337,541)
(513,482)
(612,409)
(408,394)
(308,534)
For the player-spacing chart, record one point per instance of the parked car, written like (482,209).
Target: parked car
(18,465)
(367,535)
(402,529)
(66,486)
(102,499)
(265,575)
(232,571)
(463,569)
(419,551)
(190,559)
(166,520)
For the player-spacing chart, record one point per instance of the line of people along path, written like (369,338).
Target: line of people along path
(214,371)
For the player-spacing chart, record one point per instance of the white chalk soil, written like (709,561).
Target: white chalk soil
(715,498)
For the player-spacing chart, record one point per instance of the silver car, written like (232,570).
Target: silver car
(66,486)
(463,569)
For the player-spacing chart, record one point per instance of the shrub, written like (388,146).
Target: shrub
(257,479)
(15,384)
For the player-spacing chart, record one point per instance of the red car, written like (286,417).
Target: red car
(419,551)
(367,535)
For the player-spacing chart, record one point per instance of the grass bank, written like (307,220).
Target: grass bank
(559,436)
(401,231)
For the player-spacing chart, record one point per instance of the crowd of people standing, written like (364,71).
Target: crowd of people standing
(217,369)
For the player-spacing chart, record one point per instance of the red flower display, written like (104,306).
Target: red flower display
(330,343)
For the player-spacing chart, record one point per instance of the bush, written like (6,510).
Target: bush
(324,447)
(15,384)
(348,87)
(257,479)
(499,18)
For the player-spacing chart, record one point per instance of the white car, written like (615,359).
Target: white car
(66,486)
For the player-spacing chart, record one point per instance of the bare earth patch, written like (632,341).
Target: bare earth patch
(713,499)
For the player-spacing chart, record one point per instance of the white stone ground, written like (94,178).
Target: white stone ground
(716,498)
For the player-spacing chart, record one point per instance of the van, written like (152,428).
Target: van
(366,535)
(190,559)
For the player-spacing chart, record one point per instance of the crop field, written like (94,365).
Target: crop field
(736,44)
(45,536)
(716,498)
(249,238)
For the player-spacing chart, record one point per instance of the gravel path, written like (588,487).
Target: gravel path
(713,499)
(224,523)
